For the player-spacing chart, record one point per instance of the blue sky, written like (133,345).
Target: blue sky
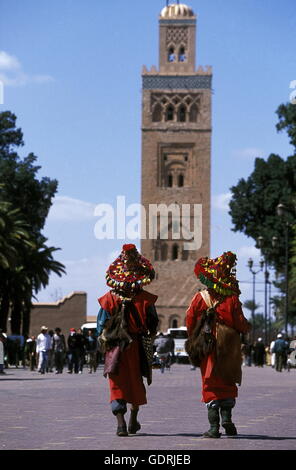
(72,75)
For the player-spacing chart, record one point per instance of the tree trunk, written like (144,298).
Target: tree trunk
(4,311)
(26,319)
(16,317)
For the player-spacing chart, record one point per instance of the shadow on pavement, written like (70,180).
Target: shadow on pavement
(263,437)
(19,379)
(239,436)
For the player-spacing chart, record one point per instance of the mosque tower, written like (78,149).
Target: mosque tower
(176,163)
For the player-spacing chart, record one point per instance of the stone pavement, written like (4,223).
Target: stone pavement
(54,412)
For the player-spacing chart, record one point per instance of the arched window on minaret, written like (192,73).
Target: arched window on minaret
(164,251)
(170,180)
(171,54)
(170,113)
(182,113)
(157,113)
(182,54)
(180,180)
(175,252)
(193,113)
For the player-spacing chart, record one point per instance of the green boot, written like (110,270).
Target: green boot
(227,424)
(133,425)
(213,417)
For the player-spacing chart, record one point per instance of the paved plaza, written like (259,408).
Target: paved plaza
(54,412)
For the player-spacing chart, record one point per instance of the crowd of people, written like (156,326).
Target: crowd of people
(276,354)
(50,351)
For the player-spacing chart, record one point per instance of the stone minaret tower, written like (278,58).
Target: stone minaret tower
(176,161)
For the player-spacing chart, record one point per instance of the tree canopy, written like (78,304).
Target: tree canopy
(253,206)
(25,260)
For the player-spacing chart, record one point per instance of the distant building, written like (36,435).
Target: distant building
(69,312)
(176,157)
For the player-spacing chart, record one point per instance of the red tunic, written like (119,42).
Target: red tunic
(128,383)
(230,312)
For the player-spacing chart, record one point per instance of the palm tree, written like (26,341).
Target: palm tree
(25,267)
(37,263)
(13,238)
(13,234)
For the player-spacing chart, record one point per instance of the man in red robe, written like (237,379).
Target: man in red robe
(220,369)
(127,313)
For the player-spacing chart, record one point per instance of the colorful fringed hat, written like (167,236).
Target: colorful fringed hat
(130,271)
(217,274)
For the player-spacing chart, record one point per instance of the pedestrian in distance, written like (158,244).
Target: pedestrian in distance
(127,322)
(247,354)
(73,352)
(59,350)
(163,346)
(50,359)
(43,346)
(3,340)
(91,346)
(81,344)
(214,322)
(259,353)
(280,349)
(31,352)
(272,354)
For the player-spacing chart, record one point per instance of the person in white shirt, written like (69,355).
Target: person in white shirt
(43,346)
(3,339)
(272,354)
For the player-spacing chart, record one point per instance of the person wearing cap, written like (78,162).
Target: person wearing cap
(218,310)
(280,348)
(42,347)
(127,312)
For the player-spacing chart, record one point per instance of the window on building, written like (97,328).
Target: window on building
(180,180)
(182,55)
(193,113)
(182,114)
(171,54)
(175,252)
(164,252)
(170,180)
(170,113)
(174,323)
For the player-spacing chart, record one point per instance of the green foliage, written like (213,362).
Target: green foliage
(251,305)
(253,209)
(10,137)
(255,199)
(13,235)
(292,283)
(287,121)
(25,260)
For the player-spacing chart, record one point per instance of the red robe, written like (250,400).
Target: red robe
(230,312)
(128,383)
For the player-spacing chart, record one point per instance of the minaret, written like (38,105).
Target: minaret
(176,161)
